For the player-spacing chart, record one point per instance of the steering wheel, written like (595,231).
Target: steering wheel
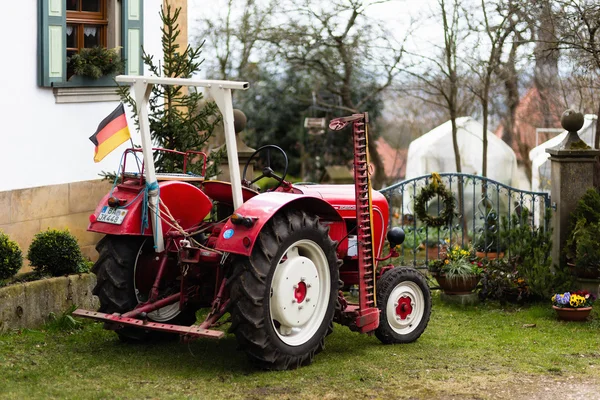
(267,171)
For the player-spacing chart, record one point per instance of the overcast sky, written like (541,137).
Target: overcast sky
(395,14)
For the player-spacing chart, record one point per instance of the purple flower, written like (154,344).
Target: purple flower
(563,299)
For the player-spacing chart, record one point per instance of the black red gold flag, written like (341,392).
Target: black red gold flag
(111,133)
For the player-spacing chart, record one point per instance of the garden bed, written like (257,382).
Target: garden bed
(28,305)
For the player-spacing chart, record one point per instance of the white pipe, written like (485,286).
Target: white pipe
(220,91)
(157,80)
(142,92)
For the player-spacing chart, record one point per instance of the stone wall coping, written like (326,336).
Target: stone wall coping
(28,304)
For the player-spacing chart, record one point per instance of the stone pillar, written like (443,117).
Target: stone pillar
(572,169)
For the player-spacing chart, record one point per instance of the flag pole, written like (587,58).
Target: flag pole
(142,90)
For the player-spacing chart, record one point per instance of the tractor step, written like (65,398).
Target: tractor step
(193,331)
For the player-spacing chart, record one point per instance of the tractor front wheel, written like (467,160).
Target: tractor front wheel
(284,295)
(404,300)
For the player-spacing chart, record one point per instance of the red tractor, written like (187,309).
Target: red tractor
(277,263)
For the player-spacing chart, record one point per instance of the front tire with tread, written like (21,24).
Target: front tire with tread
(261,290)
(404,301)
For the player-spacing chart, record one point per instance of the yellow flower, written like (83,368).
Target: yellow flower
(576,300)
(446,261)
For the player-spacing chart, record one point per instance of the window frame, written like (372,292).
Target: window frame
(124,29)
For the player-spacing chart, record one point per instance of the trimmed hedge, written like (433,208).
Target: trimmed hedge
(11,257)
(56,253)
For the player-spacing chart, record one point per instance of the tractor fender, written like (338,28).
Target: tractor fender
(188,205)
(239,239)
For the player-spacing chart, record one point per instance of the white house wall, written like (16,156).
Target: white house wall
(41,142)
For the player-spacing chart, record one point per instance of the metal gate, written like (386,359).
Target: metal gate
(484,208)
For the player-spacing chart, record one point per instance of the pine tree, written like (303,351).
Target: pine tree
(178,118)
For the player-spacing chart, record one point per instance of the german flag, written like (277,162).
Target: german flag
(111,133)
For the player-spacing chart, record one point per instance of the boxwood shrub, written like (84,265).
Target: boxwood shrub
(56,253)
(11,257)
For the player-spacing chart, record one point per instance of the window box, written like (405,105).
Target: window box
(54,40)
(79,81)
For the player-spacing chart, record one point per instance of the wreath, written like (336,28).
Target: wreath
(436,187)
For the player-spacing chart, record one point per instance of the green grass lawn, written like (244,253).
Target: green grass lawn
(481,352)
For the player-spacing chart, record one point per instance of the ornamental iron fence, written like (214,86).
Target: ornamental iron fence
(484,211)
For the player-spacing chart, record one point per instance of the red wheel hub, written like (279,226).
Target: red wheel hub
(404,308)
(300,292)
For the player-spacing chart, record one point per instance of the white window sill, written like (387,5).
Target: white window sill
(85,94)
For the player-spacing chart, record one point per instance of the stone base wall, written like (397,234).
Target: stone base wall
(28,305)
(25,212)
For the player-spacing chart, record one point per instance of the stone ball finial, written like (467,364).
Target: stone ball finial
(571,120)
(239,120)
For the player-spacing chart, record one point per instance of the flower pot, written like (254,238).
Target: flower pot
(489,255)
(572,314)
(458,285)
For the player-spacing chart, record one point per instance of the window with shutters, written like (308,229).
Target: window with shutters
(87,25)
(67,26)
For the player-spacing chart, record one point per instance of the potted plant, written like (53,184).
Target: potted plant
(573,306)
(96,62)
(581,248)
(489,244)
(458,271)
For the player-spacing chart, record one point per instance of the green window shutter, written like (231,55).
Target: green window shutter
(52,50)
(132,35)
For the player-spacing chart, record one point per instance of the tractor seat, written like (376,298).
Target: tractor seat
(221,191)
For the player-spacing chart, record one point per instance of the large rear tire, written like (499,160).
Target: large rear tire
(284,295)
(115,285)
(404,300)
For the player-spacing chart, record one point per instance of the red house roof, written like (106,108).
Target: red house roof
(394,160)
(534,111)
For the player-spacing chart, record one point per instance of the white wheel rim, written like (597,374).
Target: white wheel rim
(163,314)
(401,317)
(300,292)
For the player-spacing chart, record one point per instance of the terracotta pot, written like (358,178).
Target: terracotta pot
(457,285)
(489,255)
(572,314)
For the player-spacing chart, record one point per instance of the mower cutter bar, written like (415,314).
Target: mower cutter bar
(189,331)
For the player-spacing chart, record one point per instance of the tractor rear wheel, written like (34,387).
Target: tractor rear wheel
(404,300)
(115,269)
(284,295)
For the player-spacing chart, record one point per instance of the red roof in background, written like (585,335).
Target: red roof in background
(394,160)
(529,115)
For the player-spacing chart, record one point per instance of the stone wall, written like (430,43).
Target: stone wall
(25,212)
(28,305)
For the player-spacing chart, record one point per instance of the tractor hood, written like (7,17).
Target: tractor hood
(343,200)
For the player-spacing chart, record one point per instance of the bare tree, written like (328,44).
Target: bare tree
(510,75)
(492,31)
(437,77)
(578,32)
(347,55)
(236,34)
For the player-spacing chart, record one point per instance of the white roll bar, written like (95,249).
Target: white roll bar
(220,91)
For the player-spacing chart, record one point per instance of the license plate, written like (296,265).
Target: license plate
(112,215)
